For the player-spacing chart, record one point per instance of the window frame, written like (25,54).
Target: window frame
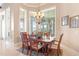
(55,17)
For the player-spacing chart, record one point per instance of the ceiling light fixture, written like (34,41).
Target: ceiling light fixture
(38,15)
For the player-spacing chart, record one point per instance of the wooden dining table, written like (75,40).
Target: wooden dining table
(43,42)
(50,39)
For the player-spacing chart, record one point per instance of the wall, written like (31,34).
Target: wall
(71,35)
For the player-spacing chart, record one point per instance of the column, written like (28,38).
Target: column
(15,23)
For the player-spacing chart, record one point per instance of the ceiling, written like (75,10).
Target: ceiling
(35,5)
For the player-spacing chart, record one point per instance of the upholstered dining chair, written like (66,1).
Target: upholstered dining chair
(47,34)
(34,47)
(55,46)
(25,41)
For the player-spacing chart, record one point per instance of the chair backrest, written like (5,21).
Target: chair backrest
(59,42)
(24,36)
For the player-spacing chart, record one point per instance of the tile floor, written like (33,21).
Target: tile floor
(8,50)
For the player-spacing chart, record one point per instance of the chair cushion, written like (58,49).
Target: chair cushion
(54,47)
(56,42)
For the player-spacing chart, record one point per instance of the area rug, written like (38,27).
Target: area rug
(25,52)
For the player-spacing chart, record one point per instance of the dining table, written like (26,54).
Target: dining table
(50,39)
(42,41)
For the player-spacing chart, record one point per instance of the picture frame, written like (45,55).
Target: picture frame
(74,22)
(65,20)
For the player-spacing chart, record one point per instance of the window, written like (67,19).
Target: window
(48,21)
(6,24)
(33,24)
(22,20)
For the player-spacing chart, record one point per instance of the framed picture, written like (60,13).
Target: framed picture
(74,22)
(65,20)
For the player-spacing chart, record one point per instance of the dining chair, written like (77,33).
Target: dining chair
(35,46)
(47,34)
(25,41)
(33,34)
(55,46)
(39,35)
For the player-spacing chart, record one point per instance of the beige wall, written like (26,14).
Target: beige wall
(71,35)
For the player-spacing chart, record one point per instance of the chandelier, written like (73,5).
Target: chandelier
(38,16)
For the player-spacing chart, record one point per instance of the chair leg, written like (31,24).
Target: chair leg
(37,53)
(61,52)
(46,51)
(43,50)
(58,52)
(27,50)
(22,48)
(30,52)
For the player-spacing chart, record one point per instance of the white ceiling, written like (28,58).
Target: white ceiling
(35,5)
